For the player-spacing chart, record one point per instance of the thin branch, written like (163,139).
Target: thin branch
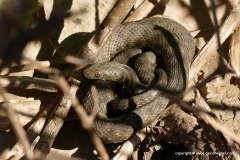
(40,68)
(95,138)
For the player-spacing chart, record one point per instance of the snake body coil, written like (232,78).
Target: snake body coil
(165,38)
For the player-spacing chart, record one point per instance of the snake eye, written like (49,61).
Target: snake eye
(97,74)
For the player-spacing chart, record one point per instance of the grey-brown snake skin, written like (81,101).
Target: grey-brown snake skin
(162,36)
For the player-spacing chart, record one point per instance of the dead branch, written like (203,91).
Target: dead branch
(40,68)
(32,65)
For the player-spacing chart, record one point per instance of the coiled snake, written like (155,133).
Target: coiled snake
(167,39)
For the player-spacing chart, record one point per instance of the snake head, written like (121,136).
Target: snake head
(104,71)
(98,71)
(92,73)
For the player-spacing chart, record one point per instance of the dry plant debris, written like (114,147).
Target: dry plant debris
(205,123)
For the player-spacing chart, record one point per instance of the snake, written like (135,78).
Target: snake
(125,104)
(117,72)
(142,62)
(166,38)
(121,73)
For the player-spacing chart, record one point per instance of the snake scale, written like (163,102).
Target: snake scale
(164,37)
